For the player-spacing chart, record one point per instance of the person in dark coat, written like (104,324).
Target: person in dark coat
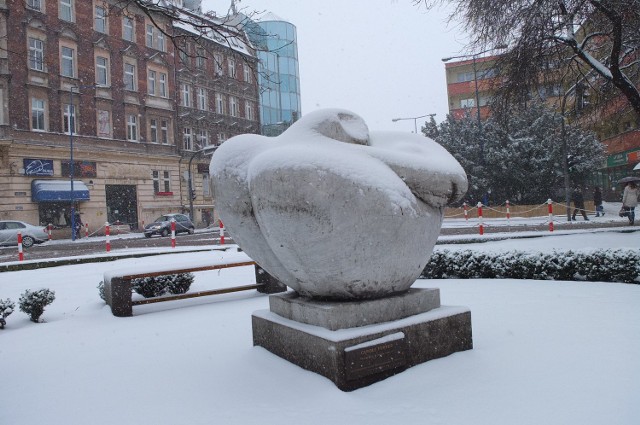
(578,203)
(597,201)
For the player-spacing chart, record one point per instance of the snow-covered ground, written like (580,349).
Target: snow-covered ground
(545,352)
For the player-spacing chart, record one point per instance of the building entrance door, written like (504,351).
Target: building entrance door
(122,204)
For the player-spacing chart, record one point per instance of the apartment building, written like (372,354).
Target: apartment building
(91,113)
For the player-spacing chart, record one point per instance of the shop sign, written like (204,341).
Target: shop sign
(623,158)
(80,168)
(38,167)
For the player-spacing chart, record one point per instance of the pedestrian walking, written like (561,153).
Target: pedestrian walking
(578,203)
(630,201)
(597,201)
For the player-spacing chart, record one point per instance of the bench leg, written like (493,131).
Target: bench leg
(271,285)
(117,293)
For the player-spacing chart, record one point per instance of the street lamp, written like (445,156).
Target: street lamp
(415,120)
(71,122)
(206,149)
(477,92)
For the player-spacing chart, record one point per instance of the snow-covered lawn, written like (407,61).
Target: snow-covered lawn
(545,352)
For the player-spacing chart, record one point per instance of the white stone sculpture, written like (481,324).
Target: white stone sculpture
(335,211)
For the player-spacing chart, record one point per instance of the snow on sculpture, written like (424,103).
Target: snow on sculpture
(335,211)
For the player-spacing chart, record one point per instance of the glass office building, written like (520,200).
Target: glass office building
(279,77)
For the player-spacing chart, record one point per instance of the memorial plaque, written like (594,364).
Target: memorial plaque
(375,356)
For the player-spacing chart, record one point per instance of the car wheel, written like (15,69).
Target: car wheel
(147,235)
(27,241)
(164,232)
(191,230)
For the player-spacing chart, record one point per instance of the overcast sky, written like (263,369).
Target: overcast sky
(379,58)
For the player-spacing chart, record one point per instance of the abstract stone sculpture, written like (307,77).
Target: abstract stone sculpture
(335,211)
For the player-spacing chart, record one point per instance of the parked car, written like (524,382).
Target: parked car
(30,234)
(162,225)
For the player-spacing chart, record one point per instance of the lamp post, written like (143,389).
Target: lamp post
(415,120)
(196,153)
(477,91)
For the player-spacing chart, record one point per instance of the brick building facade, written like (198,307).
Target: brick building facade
(103,80)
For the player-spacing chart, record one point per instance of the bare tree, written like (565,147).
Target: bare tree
(595,43)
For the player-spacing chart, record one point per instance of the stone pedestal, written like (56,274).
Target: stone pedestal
(357,343)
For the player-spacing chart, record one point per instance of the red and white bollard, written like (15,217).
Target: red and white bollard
(106,233)
(550,206)
(221,233)
(481,225)
(466,212)
(49,230)
(20,254)
(508,211)
(86,230)
(173,233)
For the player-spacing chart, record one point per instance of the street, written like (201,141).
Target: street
(97,245)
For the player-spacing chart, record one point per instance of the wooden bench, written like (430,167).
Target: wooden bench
(118,286)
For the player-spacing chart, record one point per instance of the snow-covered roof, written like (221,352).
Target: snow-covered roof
(270,16)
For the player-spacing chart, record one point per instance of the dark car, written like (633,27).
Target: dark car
(162,225)
(30,234)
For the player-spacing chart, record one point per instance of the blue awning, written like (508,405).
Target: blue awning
(58,191)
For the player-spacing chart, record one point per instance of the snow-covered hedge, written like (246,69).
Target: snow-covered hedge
(34,302)
(6,308)
(599,265)
(159,285)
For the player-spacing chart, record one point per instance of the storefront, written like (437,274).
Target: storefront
(619,165)
(54,198)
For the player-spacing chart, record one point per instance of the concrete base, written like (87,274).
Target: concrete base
(361,354)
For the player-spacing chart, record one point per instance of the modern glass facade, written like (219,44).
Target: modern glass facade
(279,76)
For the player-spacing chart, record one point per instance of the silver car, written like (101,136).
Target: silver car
(30,234)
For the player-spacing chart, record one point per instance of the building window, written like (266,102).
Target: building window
(67,62)
(248,111)
(149,35)
(66,10)
(468,103)
(465,76)
(36,54)
(185,91)
(38,114)
(219,103)
(233,106)
(153,130)
(202,98)
(35,5)
(164,132)
(201,60)
(104,123)
(132,128)
(129,76)
(160,40)
(161,181)
(155,38)
(127,28)
(218,64)
(203,137)
(206,185)
(187,139)
(101,19)
(102,71)
(221,138)
(231,64)
(69,119)
(247,73)
(151,83)
(162,84)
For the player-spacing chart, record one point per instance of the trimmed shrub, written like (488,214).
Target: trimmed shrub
(101,290)
(596,266)
(6,308)
(157,286)
(179,283)
(33,303)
